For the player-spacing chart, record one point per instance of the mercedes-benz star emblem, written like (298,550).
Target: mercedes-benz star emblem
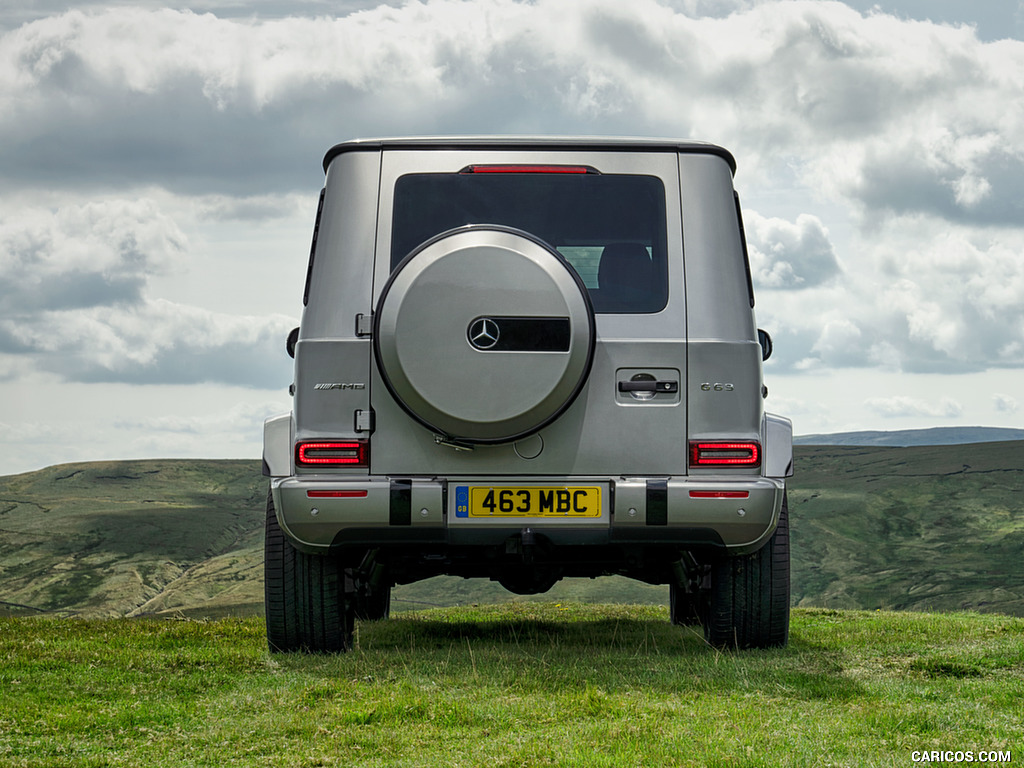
(483,333)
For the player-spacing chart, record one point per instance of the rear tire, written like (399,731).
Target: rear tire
(749,601)
(309,606)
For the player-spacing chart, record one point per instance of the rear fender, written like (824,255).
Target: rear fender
(777,438)
(277,446)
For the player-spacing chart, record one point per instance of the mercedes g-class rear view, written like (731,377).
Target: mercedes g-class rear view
(527,359)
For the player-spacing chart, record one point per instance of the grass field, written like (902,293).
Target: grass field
(522,684)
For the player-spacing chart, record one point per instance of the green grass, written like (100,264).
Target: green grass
(522,684)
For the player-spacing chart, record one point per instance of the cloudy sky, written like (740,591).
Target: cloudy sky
(160,165)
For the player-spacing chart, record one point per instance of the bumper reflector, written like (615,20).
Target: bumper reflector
(719,494)
(336,494)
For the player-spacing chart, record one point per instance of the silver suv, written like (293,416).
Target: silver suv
(524,359)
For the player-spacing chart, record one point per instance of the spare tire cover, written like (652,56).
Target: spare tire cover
(484,334)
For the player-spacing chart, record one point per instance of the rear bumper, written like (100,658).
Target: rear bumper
(322,513)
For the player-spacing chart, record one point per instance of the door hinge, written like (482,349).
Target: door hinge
(364,324)
(364,421)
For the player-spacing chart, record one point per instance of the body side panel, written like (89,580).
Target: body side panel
(724,388)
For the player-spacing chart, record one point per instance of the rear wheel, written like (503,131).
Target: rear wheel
(308,598)
(749,601)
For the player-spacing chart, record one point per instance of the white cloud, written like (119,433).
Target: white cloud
(916,296)
(917,126)
(50,421)
(954,173)
(838,338)
(1005,403)
(901,406)
(962,298)
(74,301)
(89,255)
(156,342)
(784,254)
(895,115)
(243,419)
(250,208)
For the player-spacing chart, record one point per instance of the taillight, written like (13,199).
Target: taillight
(527,169)
(725,454)
(349,453)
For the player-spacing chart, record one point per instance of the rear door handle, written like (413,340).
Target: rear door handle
(649,386)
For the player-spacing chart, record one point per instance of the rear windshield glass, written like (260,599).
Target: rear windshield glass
(610,228)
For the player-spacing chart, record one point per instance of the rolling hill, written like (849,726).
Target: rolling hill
(918,528)
(131,537)
(908,437)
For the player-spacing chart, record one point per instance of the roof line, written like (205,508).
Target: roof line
(585,143)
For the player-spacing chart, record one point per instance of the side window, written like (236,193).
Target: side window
(743,240)
(312,248)
(610,228)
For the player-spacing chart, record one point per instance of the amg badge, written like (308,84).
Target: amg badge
(339,386)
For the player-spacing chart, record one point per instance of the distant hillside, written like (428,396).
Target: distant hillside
(919,528)
(130,537)
(909,437)
(923,528)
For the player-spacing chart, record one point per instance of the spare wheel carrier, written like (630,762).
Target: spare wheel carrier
(484,334)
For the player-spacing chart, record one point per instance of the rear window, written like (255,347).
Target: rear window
(610,228)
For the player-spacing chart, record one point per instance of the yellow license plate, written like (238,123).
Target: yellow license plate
(532,501)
